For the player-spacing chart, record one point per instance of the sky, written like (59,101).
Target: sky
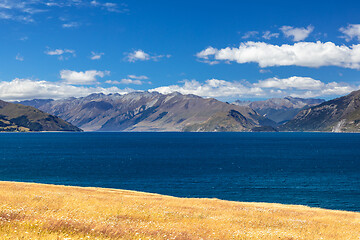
(228,50)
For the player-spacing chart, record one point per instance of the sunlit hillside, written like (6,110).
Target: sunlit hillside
(34,211)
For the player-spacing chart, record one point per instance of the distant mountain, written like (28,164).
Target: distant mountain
(280,110)
(337,115)
(231,121)
(145,111)
(20,118)
(36,103)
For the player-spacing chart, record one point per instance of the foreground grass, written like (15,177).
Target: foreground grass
(36,211)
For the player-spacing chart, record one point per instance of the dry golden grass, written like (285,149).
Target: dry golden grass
(36,211)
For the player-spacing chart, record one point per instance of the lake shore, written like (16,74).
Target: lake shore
(40,211)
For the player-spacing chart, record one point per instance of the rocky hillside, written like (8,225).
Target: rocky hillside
(145,111)
(231,121)
(337,115)
(280,110)
(20,118)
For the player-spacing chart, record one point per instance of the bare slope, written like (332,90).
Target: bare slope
(281,109)
(337,115)
(20,118)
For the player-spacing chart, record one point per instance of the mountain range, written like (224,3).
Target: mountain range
(152,111)
(280,110)
(20,118)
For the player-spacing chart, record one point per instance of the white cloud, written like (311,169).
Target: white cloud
(19,57)
(250,34)
(268,35)
(264,71)
(132,79)
(24,89)
(20,18)
(110,6)
(273,87)
(211,88)
(298,34)
(305,54)
(96,56)
(64,54)
(17,10)
(351,31)
(141,77)
(303,83)
(59,51)
(82,78)
(140,55)
(5,15)
(126,81)
(24,11)
(71,25)
(21,89)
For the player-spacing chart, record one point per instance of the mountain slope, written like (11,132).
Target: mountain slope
(280,109)
(231,121)
(20,118)
(337,115)
(144,111)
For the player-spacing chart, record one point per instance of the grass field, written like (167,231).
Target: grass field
(36,211)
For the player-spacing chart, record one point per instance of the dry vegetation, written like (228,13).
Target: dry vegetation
(35,211)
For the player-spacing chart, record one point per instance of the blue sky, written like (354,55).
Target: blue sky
(223,49)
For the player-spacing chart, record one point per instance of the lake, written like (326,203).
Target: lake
(314,169)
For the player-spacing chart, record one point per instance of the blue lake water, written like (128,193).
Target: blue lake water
(314,169)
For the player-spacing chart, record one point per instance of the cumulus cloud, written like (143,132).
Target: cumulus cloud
(350,32)
(96,56)
(297,34)
(24,89)
(21,89)
(273,87)
(305,54)
(303,83)
(63,54)
(140,55)
(211,88)
(82,78)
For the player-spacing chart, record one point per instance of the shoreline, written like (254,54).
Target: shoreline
(75,187)
(44,211)
(173,132)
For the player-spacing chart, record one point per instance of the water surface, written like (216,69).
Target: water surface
(314,169)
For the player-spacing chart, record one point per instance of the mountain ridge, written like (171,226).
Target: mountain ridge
(337,115)
(144,111)
(21,118)
(280,110)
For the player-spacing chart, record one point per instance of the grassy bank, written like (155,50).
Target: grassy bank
(36,211)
